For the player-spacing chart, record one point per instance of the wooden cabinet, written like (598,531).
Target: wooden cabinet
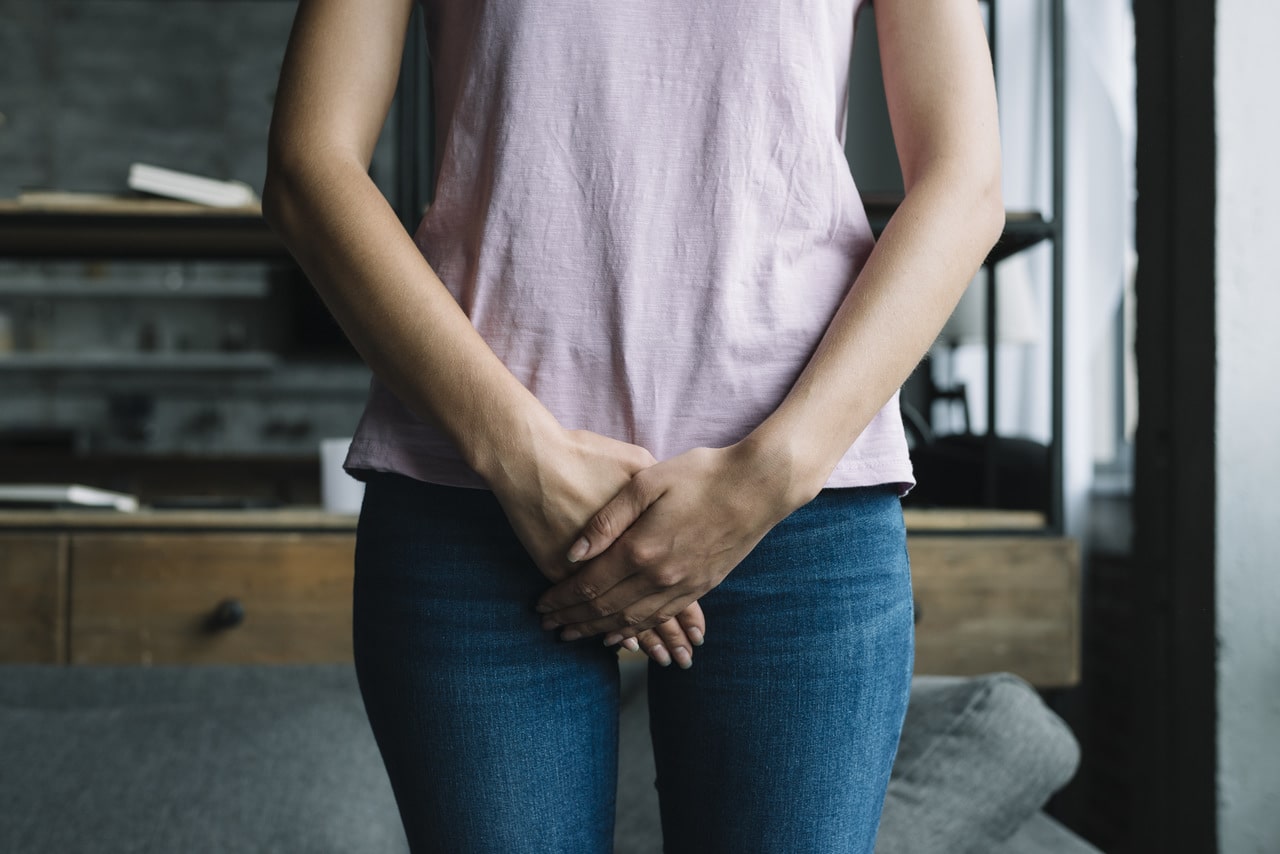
(997,603)
(178,598)
(33,585)
(275,587)
(175,587)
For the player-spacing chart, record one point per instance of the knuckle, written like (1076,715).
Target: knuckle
(663,615)
(642,555)
(585,589)
(631,619)
(597,609)
(644,487)
(666,576)
(602,524)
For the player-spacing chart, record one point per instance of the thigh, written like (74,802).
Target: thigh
(782,735)
(497,737)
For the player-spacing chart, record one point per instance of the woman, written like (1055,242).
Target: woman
(642,346)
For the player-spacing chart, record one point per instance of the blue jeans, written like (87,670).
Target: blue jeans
(499,738)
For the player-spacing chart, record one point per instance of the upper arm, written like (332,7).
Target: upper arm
(338,78)
(939,86)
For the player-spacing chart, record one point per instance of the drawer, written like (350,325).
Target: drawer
(178,598)
(997,603)
(33,608)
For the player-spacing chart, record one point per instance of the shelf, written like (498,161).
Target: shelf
(1022,229)
(250,290)
(144,228)
(113,361)
(108,227)
(300,518)
(963,520)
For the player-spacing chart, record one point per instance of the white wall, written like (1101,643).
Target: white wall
(1248,425)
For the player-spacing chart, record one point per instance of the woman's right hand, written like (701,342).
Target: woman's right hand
(550,496)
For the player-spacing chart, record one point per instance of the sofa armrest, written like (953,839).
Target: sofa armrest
(978,758)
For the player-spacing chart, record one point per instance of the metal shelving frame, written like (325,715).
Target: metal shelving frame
(1052,231)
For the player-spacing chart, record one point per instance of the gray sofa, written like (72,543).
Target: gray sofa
(978,759)
(280,759)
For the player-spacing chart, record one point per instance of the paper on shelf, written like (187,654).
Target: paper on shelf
(188,187)
(66,493)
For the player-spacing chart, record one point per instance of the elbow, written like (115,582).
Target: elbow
(284,199)
(968,189)
(275,197)
(986,214)
(989,213)
(301,182)
(287,168)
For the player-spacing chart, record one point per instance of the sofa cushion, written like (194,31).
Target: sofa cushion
(207,759)
(1040,834)
(978,757)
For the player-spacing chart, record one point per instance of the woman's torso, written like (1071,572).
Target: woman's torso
(645,209)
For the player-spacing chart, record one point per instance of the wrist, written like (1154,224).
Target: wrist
(790,469)
(506,450)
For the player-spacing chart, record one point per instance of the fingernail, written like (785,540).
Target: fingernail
(548,625)
(632,644)
(659,654)
(695,636)
(570,635)
(610,640)
(543,608)
(682,657)
(579,550)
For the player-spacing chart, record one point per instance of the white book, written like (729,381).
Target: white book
(191,188)
(73,494)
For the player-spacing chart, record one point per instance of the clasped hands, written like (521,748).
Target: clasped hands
(663,535)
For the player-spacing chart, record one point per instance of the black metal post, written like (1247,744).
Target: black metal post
(411,166)
(1057,483)
(989,450)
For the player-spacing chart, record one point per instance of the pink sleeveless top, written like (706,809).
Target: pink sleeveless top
(645,209)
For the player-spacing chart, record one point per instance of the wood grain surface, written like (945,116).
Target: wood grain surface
(998,604)
(33,608)
(149,598)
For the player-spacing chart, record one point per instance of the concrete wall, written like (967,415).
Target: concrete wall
(90,86)
(86,88)
(1248,427)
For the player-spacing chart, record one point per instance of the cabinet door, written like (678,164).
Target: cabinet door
(995,603)
(175,598)
(33,601)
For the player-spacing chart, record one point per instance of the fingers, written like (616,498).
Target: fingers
(691,620)
(694,623)
(612,586)
(589,595)
(645,612)
(673,640)
(613,519)
(618,604)
(668,642)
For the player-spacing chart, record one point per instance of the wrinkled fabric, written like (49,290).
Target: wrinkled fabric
(645,209)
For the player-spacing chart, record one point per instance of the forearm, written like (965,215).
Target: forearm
(396,311)
(941,95)
(909,286)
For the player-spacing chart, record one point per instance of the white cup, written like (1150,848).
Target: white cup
(339,491)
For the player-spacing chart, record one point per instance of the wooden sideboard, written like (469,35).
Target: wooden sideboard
(183,587)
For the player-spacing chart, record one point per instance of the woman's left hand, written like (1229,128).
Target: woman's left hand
(673,533)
